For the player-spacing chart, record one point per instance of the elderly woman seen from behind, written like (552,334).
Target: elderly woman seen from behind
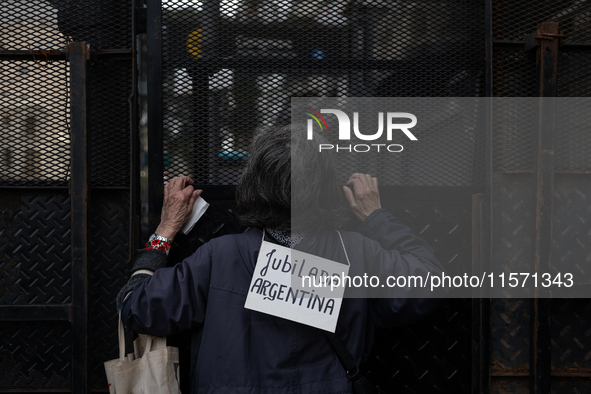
(237,350)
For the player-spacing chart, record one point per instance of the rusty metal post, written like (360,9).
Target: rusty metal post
(482,231)
(78,55)
(547,38)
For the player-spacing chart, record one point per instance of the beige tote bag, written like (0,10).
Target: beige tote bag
(153,367)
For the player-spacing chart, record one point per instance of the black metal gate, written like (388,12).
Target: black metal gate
(68,188)
(69,176)
(228,67)
(538,185)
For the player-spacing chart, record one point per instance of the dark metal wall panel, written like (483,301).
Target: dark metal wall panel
(510,385)
(445,225)
(432,356)
(109,255)
(570,386)
(34,356)
(43,247)
(509,337)
(571,226)
(34,268)
(32,24)
(571,346)
(512,223)
(35,260)
(10,222)
(514,123)
(571,342)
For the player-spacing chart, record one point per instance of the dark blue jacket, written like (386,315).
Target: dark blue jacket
(236,350)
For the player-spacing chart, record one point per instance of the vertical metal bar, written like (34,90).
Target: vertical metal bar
(547,62)
(480,302)
(134,157)
(488,45)
(78,53)
(481,311)
(209,26)
(356,45)
(155,113)
(540,362)
(367,49)
(206,171)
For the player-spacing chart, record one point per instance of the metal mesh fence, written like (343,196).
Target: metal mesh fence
(32,25)
(231,66)
(515,128)
(35,224)
(513,134)
(515,122)
(448,152)
(34,107)
(514,75)
(574,74)
(513,20)
(51,24)
(34,111)
(109,87)
(573,142)
(33,97)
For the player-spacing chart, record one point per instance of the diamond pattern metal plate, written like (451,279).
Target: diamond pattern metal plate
(35,263)
(34,356)
(511,252)
(512,223)
(35,268)
(432,355)
(109,255)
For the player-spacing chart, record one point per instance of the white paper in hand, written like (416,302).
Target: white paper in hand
(199,209)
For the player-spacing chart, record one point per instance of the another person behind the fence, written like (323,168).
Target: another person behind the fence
(237,350)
